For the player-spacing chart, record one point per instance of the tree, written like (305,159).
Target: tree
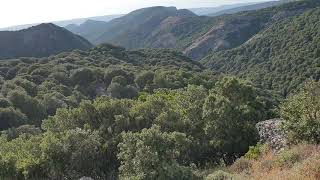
(301,114)
(52,102)
(4,103)
(231,111)
(144,78)
(73,154)
(82,76)
(153,154)
(34,110)
(10,117)
(25,162)
(115,89)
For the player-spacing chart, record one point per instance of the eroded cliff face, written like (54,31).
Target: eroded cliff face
(270,132)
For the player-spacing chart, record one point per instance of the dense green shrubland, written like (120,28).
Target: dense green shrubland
(164,135)
(32,89)
(281,57)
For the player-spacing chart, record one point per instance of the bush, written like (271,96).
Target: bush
(220,175)
(82,76)
(301,115)
(241,165)
(10,117)
(4,103)
(255,151)
(287,158)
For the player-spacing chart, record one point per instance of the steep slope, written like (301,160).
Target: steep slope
(90,29)
(39,41)
(195,36)
(229,31)
(131,30)
(281,57)
(248,7)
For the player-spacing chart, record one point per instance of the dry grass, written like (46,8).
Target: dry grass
(298,163)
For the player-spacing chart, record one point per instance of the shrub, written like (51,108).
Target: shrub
(241,165)
(255,151)
(287,158)
(4,103)
(301,115)
(220,175)
(10,117)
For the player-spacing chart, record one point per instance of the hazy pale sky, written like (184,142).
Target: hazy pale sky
(14,12)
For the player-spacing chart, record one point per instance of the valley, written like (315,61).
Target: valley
(162,93)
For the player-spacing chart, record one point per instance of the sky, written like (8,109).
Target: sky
(17,12)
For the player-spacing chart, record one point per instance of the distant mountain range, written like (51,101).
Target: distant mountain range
(39,41)
(64,23)
(204,11)
(169,27)
(212,11)
(248,7)
(183,30)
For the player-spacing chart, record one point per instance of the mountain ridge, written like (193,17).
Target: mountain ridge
(38,41)
(281,57)
(195,36)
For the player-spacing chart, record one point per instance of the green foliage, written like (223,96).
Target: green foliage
(219,175)
(20,158)
(37,87)
(82,76)
(144,78)
(28,105)
(301,114)
(152,154)
(157,136)
(281,57)
(10,117)
(4,103)
(74,154)
(256,151)
(27,130)
(231,111)
(287,158)
(109,113)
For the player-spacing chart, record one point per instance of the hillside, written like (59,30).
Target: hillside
(198,36)
(70,77)
(39,41)
(281,57)
(248,110)
(79,113)
(195,36)
(249,7)
(90,29)
(132,29)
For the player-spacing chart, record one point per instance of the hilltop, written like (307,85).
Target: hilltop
(39,41)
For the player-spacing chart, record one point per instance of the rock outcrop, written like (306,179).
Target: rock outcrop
(270,132)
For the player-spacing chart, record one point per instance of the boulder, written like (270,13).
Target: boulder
(270,132)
